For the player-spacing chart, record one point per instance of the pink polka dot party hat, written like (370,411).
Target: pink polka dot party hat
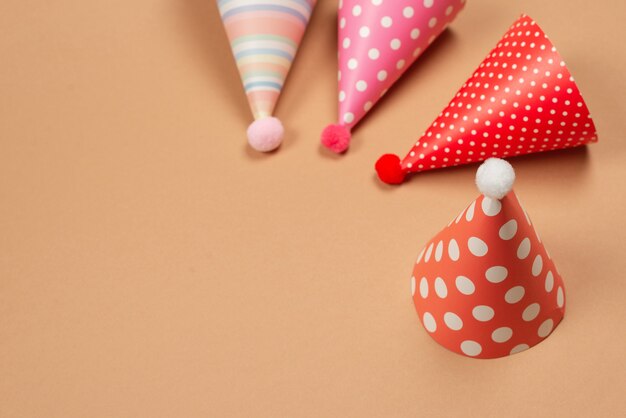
(264,37)
(485,286)
(521,99)
(378,41)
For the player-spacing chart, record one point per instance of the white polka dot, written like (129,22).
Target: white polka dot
(424,288)
(348,117)
(465,285)
(502,334)
(361,85)
(560,297)
(382,75)
(353,63)
(342,96)
(453,321)
(342,22)
(491,207)
(549,282)
(496,274)
(428,3)
(508,230)
(429,251)
(449,10)
(471,348)
(531,312)
(373,54)
(514,294)
(367,106)
(477,246)
(346,42)
(440,288)
(524,249)
(537,265)
(432,22)
(413,285)
(469,215)
(415,33)
(400,64)
(364,32)
(453,250)
(395,44)
(483,313)
(419,257)
(519,348)
(386,22)
(356,10)
(408,12)
(460,216)
(429,322)
(377,2)
(545,328)
(439,251)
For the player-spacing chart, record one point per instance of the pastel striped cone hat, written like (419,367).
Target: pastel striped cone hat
(264,37)
(378,41)
(485,286)
(520,100)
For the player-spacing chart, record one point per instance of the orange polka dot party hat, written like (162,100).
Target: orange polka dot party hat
(520,100)
(485,286)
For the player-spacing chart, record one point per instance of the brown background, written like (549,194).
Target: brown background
(151,265)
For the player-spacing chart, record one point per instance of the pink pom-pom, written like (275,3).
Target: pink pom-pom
(265,134)
(336,138)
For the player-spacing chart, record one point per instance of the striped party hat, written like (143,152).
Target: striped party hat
(264,36)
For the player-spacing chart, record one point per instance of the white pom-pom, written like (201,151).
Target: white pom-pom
(495,178)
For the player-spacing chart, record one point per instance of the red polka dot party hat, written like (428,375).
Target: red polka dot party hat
(521,99)
(378,41)
(485,286)
(264,37)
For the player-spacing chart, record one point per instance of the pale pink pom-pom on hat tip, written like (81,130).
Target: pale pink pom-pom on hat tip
(265,134)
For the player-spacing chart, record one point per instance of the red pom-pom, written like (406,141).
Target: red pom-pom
(336,138)
(389,169)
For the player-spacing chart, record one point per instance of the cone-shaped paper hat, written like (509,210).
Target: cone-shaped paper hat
(521,99)
(485,286)
(378,41)
(264,36)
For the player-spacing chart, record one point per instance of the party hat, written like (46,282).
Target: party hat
(520,100)
(264,36)
(485,286)
(378,41)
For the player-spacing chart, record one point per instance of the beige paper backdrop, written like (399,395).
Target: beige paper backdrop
(151,265)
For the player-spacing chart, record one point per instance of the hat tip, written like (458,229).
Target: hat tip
(495,178)
(389,169)
(266,134)
(336,138)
